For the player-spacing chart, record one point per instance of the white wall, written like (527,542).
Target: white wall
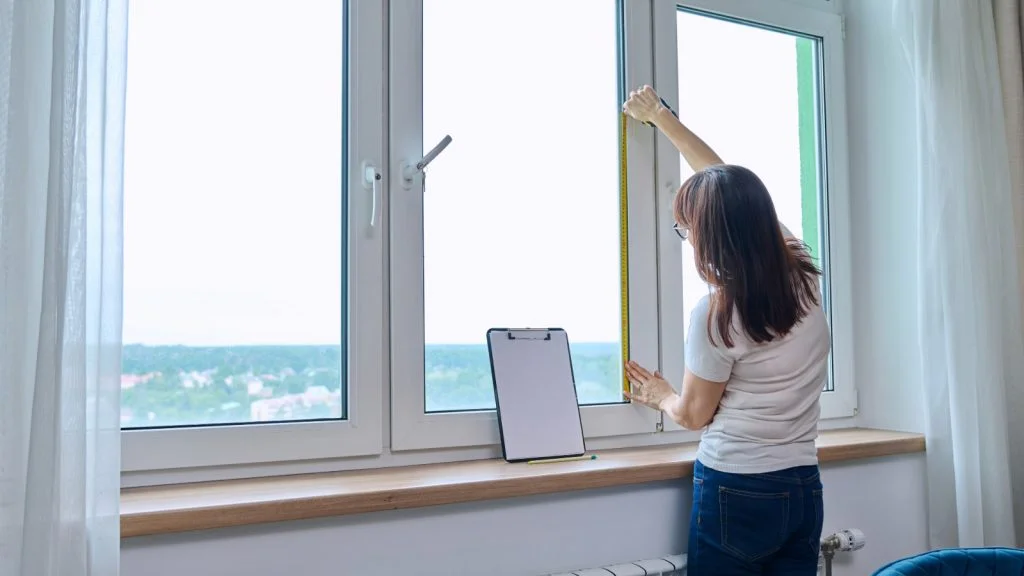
(883,180)
(530,536)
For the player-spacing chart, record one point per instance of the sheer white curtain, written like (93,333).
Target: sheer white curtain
(62,66)
(1009,25)
(970,327)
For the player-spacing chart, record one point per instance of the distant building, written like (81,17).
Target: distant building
(296,406)
(130,380)
(254,386)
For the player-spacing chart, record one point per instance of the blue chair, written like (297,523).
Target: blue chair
(960,562)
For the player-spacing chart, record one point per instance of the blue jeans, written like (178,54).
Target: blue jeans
(755,523)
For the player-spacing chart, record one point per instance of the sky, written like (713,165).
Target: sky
(233,163)
(233,172)
(738,92)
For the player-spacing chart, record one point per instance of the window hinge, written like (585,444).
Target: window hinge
(842,25)
(659,426)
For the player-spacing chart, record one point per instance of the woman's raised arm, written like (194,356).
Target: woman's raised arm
(645,106)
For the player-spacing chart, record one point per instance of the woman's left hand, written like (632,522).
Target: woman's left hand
(648,389)
(643,104)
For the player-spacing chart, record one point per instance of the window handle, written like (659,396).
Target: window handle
(409,170)
(371,181)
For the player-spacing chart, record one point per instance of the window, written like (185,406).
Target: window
(233,234)
(771,130)
(241,237)
(754,88)
(518,222)
(290,274)
(545,240)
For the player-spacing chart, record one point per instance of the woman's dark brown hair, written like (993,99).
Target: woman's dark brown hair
(741,252)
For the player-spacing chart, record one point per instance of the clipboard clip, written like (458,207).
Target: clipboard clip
(529,334)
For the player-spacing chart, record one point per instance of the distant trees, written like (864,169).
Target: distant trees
(182,385)
(458,377)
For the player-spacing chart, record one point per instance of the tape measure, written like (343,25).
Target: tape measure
(624,232)
(624,241)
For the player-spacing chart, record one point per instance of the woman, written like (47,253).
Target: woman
(756,362)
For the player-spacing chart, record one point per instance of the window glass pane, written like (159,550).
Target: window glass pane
(751,93)
(233,230)
(521,212)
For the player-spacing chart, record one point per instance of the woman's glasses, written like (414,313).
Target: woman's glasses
(681,231)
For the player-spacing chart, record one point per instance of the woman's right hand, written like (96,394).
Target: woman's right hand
(643,104)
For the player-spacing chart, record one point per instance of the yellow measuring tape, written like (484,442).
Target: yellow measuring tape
(624,232)
(624,242)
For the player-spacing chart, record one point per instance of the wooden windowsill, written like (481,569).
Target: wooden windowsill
(204,506)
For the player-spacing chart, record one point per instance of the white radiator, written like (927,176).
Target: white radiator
(665,566)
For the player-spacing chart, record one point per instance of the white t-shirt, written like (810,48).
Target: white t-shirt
(767,419)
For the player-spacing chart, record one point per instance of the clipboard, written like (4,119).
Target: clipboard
(535,394)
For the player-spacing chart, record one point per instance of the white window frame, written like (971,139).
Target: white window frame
(412,428)
(361,434)
(841,402)
(384,301)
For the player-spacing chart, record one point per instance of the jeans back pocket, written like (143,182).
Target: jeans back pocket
(754,524)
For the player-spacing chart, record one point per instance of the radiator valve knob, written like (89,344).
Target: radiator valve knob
(846,540)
